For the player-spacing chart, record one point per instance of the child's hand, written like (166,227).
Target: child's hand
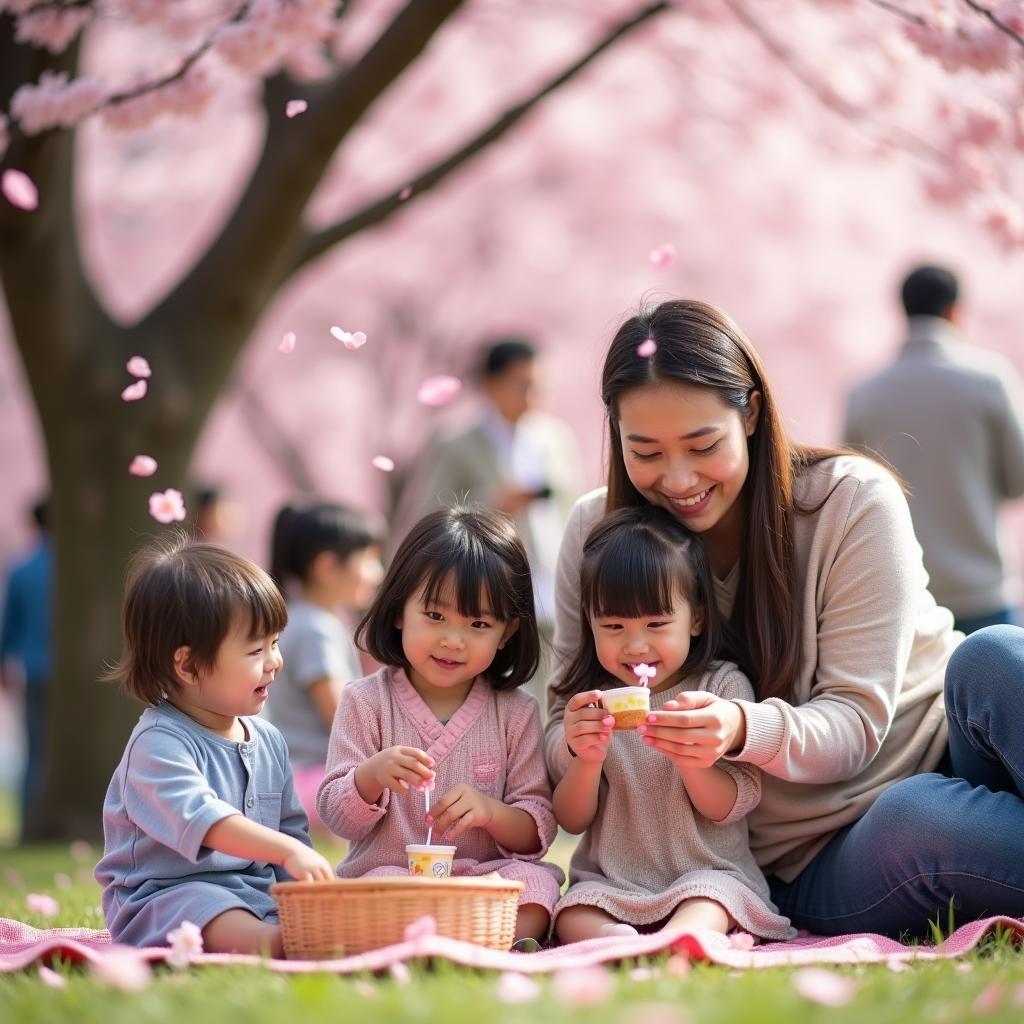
(398,768)
(460,808)
(306,865)
(588,730)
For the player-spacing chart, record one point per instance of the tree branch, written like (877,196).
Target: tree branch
(315,244)
(987,12)
(890,8)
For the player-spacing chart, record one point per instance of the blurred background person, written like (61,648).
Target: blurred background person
(511,457)
(25,654)
(326,559)
(217,516)
(949,418)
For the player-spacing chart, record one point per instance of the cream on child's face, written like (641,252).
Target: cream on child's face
(661,641)
(444,648)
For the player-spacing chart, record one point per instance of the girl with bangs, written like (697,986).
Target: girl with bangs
(454,627)
(648,610)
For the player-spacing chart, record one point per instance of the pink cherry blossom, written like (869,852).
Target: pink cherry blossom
(405,193)
(295,107)
(287,343)
(186,942)
(644,673)
(515,988)
(143,465)
(138,366)
(421,928)
(350,341)
(662,256)
(439,389)
(52,27)
(583,986)
(19,189)
(383,463)
(167,506)
(50,978)
(40,903)
(55,101)
(647,348)
(135,391)
(128,972)
(826,988)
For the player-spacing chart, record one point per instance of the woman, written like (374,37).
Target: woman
(872,817)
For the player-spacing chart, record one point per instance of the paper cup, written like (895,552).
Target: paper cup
(629,705)
(430,861)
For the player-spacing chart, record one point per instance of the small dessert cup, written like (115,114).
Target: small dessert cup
(629,705)
(430,861)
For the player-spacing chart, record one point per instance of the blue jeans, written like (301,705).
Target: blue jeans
(955,836)
(1009,616)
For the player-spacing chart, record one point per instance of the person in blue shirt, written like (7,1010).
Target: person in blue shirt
(25,657)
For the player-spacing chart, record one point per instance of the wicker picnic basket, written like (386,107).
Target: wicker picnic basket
(324,920)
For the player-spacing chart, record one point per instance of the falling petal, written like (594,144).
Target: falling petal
(80,850)
(19,189)
(51,978)
(126,971)
(583,986)
(439,389)
(135,391)
(167,506)
(295,107)
(41,904)
(663,255)
(143,465)
(287,343)
(138,366)
(516,988)
(383,463)
(405,193)
(647,348)
(823,987)
(401,974)
(350,341)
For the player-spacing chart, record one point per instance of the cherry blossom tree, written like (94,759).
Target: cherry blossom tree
(319,81)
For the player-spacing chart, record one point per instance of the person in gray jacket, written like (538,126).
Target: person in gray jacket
(949,418)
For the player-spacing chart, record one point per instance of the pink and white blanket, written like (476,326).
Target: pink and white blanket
(22,946)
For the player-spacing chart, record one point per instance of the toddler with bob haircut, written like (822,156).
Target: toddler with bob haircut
(201,815)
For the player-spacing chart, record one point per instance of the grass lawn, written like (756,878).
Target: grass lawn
(987,986)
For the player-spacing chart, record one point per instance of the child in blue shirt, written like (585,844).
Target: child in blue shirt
(201,815)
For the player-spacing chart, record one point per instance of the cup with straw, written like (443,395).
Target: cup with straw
(630,705)
(427,860)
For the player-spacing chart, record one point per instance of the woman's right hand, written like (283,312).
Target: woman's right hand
(588,727)
(398,768)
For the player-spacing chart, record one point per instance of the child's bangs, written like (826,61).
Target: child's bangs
(260,604)
(475,582)
(631,579)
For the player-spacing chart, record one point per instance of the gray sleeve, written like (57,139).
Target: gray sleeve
(853,436)
(166,794)
(294,821)
(1008,427)
(316,653)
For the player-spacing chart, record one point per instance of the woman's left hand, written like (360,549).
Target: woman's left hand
(695,729)
(460,808)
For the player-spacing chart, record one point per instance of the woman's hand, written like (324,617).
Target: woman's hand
(588,727)
(695,729)
(462,807)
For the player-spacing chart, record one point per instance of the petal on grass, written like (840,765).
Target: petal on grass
(186,941)
(516,988)
(42,904)
(128,972)
(51,978)
(19,189)
(825,988)
(990,998)
(583,986)
(400,973)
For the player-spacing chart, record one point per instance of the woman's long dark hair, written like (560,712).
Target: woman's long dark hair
(700,346)
(636,562)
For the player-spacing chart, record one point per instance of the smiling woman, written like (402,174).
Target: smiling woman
(865,817)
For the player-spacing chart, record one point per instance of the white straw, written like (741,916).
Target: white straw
(426,799)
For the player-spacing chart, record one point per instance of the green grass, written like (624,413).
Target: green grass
(935,992)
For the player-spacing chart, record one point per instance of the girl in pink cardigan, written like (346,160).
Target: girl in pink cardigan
(665,841)
(454,627)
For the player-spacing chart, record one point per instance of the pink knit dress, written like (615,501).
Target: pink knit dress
(493,742)
(647,849)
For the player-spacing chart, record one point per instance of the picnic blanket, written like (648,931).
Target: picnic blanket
(22,946)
